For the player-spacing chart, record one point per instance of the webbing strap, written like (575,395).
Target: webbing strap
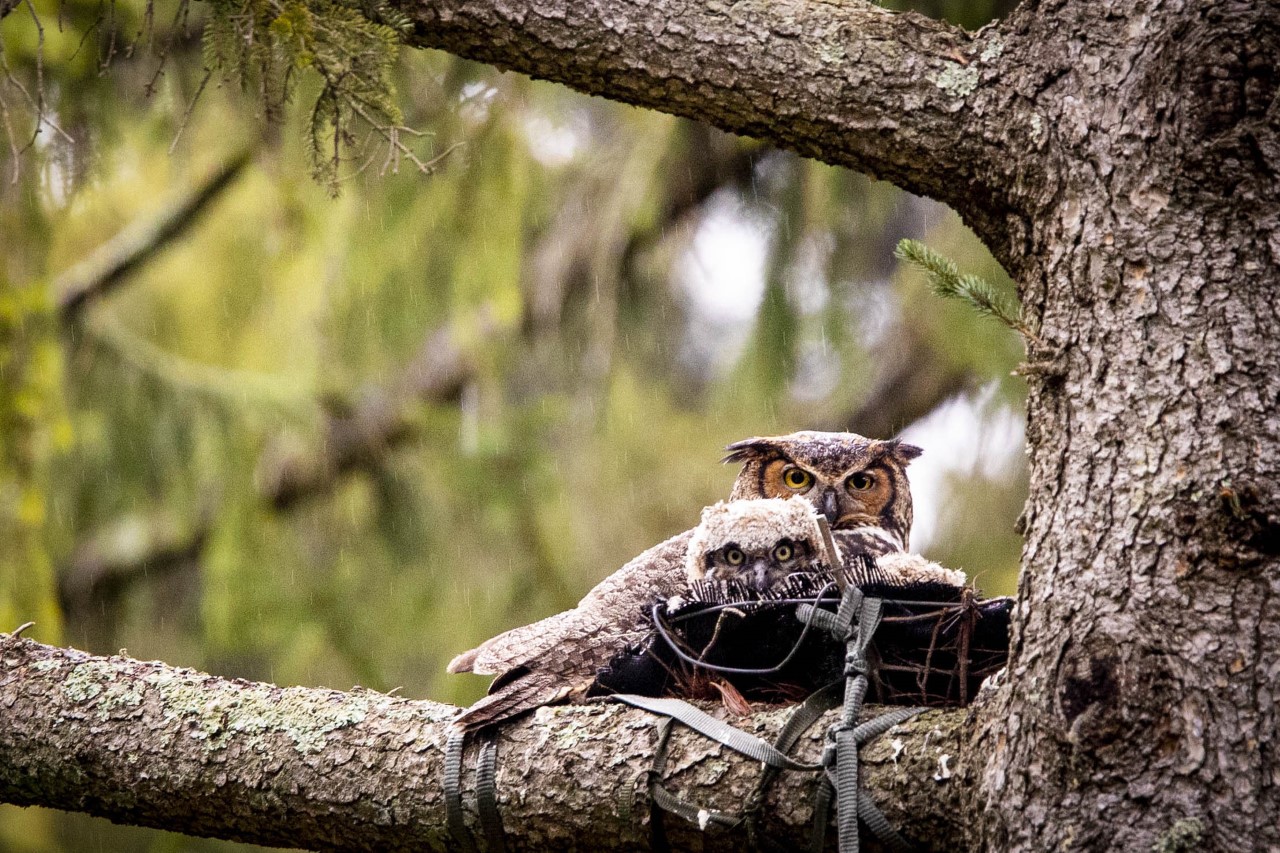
(495,838)
(822,794)
(855,622)
(873,728)
(801,720)
(664,799)
(705,724)
(486,794)
(454,818)
(879,824)
(824,619)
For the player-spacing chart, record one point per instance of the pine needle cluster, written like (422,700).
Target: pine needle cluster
(947,282)
(352,47)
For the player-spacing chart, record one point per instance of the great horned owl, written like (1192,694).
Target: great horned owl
(756,543)
(859,484)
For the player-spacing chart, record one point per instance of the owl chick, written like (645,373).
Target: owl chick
(859,484)
(756,543)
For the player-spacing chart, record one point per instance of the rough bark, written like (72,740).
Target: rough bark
(154,745)
(1142,707)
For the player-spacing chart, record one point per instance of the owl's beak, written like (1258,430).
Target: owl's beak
(759,575)
(829,505)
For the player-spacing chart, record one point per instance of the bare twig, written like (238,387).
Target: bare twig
(186,115)
(391,133)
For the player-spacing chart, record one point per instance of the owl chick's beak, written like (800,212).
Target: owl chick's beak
(829,505)
(759,575)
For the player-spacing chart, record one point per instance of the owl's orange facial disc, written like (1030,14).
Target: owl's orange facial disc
(782,478)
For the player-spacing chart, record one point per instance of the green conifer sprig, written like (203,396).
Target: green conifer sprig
(353,47)
(946,281)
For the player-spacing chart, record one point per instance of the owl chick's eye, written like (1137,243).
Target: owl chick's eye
(734,556)
(860,482)
(782,552)
(797,479)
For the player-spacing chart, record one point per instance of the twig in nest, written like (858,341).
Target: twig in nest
(734,702)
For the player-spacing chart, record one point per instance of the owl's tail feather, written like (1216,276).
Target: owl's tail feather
(510,701)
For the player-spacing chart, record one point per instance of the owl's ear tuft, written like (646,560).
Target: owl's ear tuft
(904,452)
(749,448)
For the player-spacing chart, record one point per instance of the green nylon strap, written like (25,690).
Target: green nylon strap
(663,797)
(495,837)
(705,724)
(824,619)
(873,728)
(657,817)
(454,818)
(801,720)
(822,795)
(854,622)
(847,792)
(879,824)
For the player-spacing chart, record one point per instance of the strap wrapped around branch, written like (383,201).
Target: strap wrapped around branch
(854,623)
(718,730)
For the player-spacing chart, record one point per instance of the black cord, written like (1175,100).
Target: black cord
(665,634)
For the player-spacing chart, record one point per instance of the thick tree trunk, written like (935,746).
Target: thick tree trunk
(1141,705)
(154,745)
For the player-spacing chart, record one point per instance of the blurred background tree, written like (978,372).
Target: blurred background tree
(254,428)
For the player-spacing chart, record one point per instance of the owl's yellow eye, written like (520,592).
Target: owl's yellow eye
(797,479)
(734,556)
(860,482)
(783,552)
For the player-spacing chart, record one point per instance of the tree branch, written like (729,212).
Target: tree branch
(153,745)
(95,276)
(899,96)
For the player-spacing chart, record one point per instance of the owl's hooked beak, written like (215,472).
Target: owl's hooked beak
(759,574)
(829,505)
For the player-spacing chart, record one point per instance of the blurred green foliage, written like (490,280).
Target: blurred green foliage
(632,291)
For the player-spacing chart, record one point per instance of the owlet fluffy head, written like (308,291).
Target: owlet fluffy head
(853,481)
(755,542)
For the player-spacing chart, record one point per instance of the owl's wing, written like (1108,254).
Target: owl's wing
(914,570)
(564,673)
(609,609)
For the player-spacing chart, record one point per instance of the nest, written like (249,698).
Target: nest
(935,644)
